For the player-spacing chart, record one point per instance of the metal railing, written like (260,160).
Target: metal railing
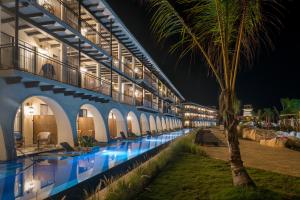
(123,98)
(32,61)
(66,13)
(126,69)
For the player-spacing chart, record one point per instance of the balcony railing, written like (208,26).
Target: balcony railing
(126,69)
(146,103)
(148,79)
(32,61)
(69,13)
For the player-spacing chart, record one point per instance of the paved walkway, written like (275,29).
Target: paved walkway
(281,160)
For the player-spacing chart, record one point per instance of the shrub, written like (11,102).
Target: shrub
(86,141)
(142,175)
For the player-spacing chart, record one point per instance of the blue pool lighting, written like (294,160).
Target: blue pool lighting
(42,176)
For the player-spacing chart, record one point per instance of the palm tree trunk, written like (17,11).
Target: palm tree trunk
(239,174)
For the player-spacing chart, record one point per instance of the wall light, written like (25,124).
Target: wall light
(29,109)
(82,69)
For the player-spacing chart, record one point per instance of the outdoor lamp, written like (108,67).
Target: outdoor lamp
(29,109)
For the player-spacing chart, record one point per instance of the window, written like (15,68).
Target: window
(44,109)
(83,113)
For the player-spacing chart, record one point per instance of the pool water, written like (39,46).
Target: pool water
(40,177)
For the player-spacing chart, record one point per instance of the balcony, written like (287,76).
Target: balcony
(147,105)
(61,21)
(147,82)
(123,98)
(169,99)
(123,67)
(37,63)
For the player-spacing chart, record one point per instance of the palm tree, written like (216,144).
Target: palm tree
(224,32)
(268,115)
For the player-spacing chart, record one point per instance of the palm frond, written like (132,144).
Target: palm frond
(167,22)
(223,31)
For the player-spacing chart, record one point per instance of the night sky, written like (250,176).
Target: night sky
(274,74)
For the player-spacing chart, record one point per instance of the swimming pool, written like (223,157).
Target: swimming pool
(43,176)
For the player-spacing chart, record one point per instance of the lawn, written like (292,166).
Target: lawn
(194,177)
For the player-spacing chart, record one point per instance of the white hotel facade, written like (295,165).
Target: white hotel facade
(70,68)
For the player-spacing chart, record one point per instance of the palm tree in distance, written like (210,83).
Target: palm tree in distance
(226,33)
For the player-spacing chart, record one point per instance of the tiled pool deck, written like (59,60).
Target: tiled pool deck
(40,176)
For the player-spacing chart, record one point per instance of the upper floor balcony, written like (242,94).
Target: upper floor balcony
(32,61)
(147,105)
(147,81)
(63,20)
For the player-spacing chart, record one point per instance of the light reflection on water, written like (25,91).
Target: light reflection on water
(48,175)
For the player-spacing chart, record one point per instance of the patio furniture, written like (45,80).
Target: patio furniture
(148,133)
(48,7)
(43,138)
(19,140)
(67,147)
(123,135)
(48,71)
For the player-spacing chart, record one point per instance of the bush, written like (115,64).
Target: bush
(86,141)
(143,175)
(293,143)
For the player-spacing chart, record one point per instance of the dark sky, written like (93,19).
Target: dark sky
(274,74)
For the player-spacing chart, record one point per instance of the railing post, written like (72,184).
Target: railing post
(133,96)
(111,61)
(79,43)
(16,47)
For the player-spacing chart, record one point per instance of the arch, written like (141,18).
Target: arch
(2,145)
(158,124)
(42,114)
(152,124)
(133,123)
(116,123)
(168,124)
(163,123)
(171,124)
(98,125)
(177,123)
(144,124)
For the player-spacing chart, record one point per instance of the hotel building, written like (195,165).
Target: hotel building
(71,68)
(195,115)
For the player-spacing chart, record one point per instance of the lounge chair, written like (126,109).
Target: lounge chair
(43,138)
(123,135)
(148,133)
(67,147)
(19,140)
(131,136)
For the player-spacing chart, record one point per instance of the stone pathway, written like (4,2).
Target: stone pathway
(280,160)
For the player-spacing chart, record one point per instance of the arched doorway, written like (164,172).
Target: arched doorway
(133,124)
(2,145)
(90,123)
(116,123)
(171,124)
(168,124)
(158,124)
(152,124)
(163,123)
(41,124)
(144,123)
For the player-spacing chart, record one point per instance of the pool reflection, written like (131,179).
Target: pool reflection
(44,176)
